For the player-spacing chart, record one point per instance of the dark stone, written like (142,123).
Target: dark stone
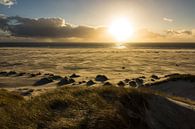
(142,77)
(49,74)
(154,77)
(43,81)
(3,73)
(133,84)
(66,81)
(33,75)
(101,78)
(107,84)
(71,80)
(38,73)
(139,81)
(63,81)
(80,82)
(121,84)
(126,80)
(123,67)
(11,73)
(21,74)
(74,75)
(90,83)
(56,77)
(177,65)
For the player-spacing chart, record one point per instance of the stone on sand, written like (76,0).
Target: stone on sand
(74,75)
(90,83)
(66,81)
(107,84)
(126,80)
(101,78)
(56,77)
(43,81)
(121,84)
(133,83)
(155,77)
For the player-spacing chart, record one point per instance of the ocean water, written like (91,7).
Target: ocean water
(115,61)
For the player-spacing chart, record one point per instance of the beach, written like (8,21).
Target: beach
(161,78)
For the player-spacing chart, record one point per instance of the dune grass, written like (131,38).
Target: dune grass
(73,108)
(78,108)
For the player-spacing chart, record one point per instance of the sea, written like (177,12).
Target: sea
(117,61)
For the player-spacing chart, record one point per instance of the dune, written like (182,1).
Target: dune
(94,108)
(182,85)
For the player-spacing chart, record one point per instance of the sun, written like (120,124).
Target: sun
(121,29)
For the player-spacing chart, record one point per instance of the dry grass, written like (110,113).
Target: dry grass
(80,107)
(77,108)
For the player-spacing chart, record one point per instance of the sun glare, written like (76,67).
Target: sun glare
(121,29)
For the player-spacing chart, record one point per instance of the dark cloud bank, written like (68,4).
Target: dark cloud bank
(46,28)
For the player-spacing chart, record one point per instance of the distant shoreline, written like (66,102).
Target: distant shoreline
(171,45)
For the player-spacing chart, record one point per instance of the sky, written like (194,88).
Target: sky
(88,20)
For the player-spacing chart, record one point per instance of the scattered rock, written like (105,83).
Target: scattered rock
(35,74)
(39,73)
(90,83)
(71,80)
(153,80)
(21,74)
(56,77)
(133,83)
(101,78)
(83,81)
(49,74)
(43,81)
(107,84)
(123,67)
(63,81)
(11,73)
(3,73)
(74,75)
(66,81)
(121,84)
(139,81)
(126,80)
(142,77)
(154,77)
(177,65)
(80,83)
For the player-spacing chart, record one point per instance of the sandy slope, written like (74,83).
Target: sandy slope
(171,115)
(180,88)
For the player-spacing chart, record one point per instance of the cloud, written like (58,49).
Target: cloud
(167,19)
(179,32)
(48,28)
(7,2)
